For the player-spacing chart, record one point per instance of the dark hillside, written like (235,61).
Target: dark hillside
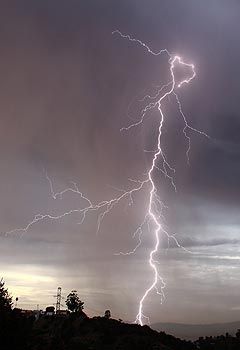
(99,333)
(194,331)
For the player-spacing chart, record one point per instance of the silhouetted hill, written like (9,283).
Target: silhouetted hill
(78,332)
(99,333)
(194,331)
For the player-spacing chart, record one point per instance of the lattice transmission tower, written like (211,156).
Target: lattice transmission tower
(59,299)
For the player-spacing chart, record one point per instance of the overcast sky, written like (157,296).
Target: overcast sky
(67,87)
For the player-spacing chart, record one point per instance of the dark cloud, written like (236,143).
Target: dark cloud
(67,87)
(191,242)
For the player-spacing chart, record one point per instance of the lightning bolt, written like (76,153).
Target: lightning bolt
(156,102)
(153,219)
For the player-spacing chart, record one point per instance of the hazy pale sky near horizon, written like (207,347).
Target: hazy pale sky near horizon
(67,87)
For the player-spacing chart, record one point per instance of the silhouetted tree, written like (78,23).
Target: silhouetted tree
(5,299)
(14,328)
(73,302)
(107,314)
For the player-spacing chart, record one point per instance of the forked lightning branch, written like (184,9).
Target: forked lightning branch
(152,221)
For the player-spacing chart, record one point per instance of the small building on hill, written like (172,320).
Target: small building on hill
(50,311)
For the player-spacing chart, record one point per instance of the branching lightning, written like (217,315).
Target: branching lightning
(153,212)
(154,215)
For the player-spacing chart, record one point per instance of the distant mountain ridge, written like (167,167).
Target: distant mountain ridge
(194,331)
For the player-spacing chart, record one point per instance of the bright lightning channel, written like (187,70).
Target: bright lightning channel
(154,214)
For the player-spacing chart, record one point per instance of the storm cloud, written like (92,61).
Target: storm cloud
(67,87)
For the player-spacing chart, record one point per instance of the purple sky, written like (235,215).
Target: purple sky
(67,87)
